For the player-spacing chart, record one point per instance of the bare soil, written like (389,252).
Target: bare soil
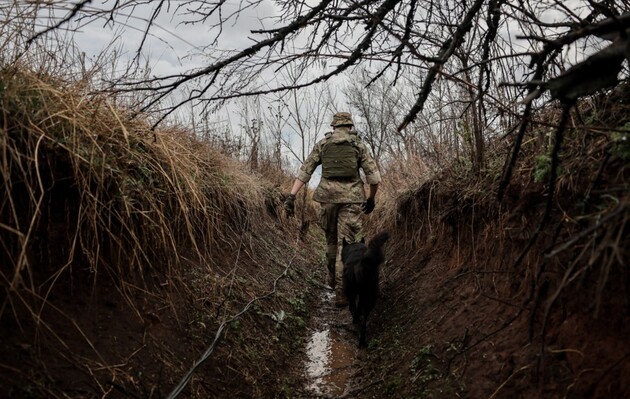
(96,340)
(455,319)
(460,317)
(479,298)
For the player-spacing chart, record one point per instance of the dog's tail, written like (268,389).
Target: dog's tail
(377,242)
(374,254)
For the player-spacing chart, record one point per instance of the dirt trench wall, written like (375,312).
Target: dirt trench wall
(473,307)
(123,251)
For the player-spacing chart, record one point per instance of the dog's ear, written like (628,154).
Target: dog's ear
(344,242)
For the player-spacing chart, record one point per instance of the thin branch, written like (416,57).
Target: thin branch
(446,51)
(75,10)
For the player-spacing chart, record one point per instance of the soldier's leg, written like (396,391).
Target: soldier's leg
(348,226)
(328,221)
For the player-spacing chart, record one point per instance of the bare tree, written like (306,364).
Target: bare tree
(276,123)
(378,106)
(251,123)
(470,44)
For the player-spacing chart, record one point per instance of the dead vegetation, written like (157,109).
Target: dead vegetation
(127,252)
(524,297)
(124,249)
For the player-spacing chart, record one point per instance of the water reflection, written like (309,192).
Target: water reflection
(318,351)
(330,358)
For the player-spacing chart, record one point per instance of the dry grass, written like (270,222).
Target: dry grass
(536,273)
(129,185)
(92,198)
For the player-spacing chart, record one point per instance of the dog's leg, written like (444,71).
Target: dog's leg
(362,330)
(352,303)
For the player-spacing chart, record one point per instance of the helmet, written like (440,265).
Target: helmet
(341,119)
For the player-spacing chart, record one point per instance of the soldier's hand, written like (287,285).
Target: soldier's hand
(289,205)
(368,206)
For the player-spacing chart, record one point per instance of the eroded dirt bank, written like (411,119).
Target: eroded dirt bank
(510,299)
(123,254)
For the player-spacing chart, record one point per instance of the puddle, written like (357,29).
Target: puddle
(331,353)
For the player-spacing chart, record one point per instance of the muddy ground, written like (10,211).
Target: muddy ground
(527,296)
(440,333)
(332,356)
(440,330)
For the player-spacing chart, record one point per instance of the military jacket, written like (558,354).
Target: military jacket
(340,191)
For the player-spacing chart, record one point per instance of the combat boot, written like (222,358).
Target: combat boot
(331,274)
(337,277)
(340,297)
(340,300)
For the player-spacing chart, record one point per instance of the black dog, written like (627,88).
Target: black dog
(360,278)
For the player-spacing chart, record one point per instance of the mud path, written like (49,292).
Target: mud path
(333,360)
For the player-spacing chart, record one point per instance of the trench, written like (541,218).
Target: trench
(332,356)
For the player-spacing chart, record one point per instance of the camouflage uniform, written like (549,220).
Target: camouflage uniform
(340,199)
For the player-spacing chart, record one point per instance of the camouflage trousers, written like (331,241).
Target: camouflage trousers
(339,221)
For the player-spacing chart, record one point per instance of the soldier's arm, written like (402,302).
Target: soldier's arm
(373,190)
(297,185)
(372,175)
(310,164)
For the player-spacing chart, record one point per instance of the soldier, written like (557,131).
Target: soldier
(340,191)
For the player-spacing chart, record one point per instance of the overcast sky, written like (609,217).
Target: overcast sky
(175,45)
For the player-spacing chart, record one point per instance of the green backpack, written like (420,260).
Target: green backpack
(340,160)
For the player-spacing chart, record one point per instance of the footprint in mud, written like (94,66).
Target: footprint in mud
(331,351)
